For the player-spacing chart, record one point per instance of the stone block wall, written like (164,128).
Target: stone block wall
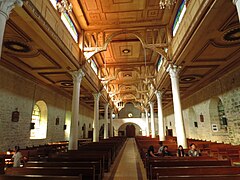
(204,102)
(21,93)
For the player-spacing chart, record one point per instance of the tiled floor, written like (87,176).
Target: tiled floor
(129,165)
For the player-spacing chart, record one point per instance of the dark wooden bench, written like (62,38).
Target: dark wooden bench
(2,164)
(184,161)
(193,170)
(84,157)
(38,177)
(90,153)
(85,172)
(201,177)
(97,164)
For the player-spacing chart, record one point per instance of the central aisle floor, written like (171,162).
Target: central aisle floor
(129,165)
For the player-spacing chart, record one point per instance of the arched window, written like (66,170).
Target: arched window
(93,65)
(39,121)
(66,19)
(180,13)
(222,115)
(159,63)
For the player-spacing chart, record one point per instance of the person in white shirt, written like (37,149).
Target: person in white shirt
(17,157)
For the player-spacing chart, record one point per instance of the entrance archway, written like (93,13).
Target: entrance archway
(130,130)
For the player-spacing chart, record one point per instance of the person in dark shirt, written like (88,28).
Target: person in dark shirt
(165,151)
(150,152)
(180,151)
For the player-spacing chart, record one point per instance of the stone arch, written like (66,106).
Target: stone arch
(192,117)
(39,120)
(137,35)
(213,112)
(122,130)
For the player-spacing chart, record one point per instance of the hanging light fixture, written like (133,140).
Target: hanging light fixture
(63,6)
(166,3)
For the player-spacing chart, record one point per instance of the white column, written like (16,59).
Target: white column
(147,123)
(152,119)
(73,139)
(6,7)
(179,124)
(160,117)
(237,4)
(106,120)
(96,117)
(111,123)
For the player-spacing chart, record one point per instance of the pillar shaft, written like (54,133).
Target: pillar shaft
(6,7)
(96,117)
(111,123)
(147,123)
(152,119)
(106,121)
(179,123)
(160,117)
(73,139)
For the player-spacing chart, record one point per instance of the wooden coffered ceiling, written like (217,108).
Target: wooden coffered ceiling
(127,62)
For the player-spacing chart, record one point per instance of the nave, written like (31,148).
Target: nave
(125,158)
(130,165)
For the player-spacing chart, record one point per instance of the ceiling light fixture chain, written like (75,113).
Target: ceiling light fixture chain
(166,3)
(64,6)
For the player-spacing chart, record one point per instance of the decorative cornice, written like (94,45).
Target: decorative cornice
(35,14)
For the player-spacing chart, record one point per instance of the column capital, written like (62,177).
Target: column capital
(77,75)
(6,6)
(235,1)
(146,109)
(151,104)
(158,94)
(173,70)
(96,96)
(106,105)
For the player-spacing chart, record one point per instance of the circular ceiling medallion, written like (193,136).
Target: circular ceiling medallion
(189,78)
(232,35)
(126,51)
(67,83)
(17,46)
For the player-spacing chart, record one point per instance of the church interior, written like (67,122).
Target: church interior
(87,86)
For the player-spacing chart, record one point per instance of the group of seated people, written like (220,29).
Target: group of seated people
(163,151)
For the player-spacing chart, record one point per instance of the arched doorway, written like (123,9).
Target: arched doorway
(130,130)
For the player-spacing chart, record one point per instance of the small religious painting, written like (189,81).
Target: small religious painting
(57,121)
(15,116)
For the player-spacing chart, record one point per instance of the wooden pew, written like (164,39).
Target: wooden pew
(193,170)
(86,157)
(97,164)
(2,164)
(201,177)
(184,161)
(92,152)
(86,172)
(38,177)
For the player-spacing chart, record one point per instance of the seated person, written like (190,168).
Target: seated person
(165,151)
(193,151)
(17,157)
(160,148)
(150,152)
(180,151)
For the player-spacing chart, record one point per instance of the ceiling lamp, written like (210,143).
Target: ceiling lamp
(166,3)
(63,6)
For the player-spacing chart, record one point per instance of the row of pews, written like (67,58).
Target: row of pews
(90,162)
(197,168)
